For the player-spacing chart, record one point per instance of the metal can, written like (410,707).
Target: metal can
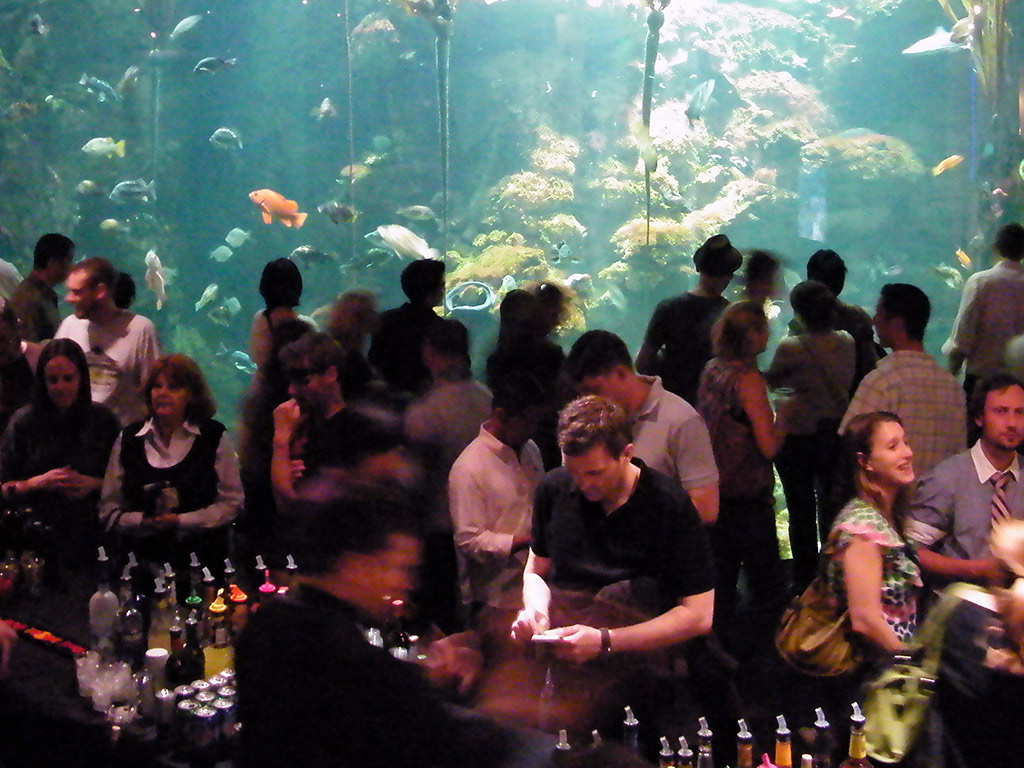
(183,714)
(227,692)
(216,682)
(228,719)
(166,702)
(200,685)
(183,692)
(205,698)
(228,675)
(202,733)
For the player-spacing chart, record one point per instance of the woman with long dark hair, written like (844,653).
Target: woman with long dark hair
(54,451)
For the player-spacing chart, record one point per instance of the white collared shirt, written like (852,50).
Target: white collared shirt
(985,469)
(160,455)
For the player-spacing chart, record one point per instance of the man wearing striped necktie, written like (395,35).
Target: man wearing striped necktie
(956,504)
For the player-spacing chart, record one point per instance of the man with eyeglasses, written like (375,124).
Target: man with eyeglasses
(317,428)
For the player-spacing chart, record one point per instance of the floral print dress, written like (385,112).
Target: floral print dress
(901,575)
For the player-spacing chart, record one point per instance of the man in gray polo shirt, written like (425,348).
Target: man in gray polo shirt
(669,436)
(954,507)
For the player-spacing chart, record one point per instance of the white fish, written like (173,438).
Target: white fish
(236,237)
(104,146)
(155,280)
(939,40)
(209,294)
(508,283)
(185,25)
(232,305)
(403,242)
(221,253)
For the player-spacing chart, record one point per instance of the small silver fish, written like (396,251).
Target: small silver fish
(221,253)
(37,26)
(133,190)
(225,138)
(236,237)
(185,25)
(209,294)
(417,212)
(212,64)
(325,109)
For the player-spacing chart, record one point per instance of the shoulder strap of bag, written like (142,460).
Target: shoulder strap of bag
(930,636)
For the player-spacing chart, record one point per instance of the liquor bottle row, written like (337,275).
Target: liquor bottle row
(684,757)
(197,632)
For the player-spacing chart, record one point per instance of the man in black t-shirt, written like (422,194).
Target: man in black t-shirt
(316,428)
(677,344)
(605,521)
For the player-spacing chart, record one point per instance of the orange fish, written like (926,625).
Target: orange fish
(950,162)
(963,258)
(274,205)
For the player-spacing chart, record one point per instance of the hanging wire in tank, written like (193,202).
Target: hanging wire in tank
(655,19)
(442,23)
(351,126)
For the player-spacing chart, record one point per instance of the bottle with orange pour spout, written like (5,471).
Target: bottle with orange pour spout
(218,652)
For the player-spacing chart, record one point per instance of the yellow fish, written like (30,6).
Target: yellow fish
(353,173)
(963,258)
(950,162)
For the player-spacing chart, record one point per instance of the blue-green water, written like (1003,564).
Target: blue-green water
(817,125)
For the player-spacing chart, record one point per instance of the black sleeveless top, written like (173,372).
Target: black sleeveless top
(194,477)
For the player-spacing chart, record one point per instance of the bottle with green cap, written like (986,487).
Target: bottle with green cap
(705,758)
(684,755)
(744,747)
(858,754)
(822,757)
(783,744)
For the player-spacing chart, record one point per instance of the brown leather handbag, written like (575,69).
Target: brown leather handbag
(813,638)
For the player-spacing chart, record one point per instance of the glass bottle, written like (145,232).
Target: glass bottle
(705,758)
(744,746)
(162,616)
(176,670)
(822,757)
(858,753)
(218,652)
(131,629)
(666,757)
(103,607)
(684,755)
(396,638)
(631,731)
(783,745)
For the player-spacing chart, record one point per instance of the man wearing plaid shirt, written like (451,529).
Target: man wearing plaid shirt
(910,382)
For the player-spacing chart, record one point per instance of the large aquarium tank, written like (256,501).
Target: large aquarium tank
(594,143)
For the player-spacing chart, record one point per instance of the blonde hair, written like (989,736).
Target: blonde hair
(732,336)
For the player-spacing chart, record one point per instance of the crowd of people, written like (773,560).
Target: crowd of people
(619,519)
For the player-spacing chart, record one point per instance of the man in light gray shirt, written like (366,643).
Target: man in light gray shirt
(669,436)
(955,505)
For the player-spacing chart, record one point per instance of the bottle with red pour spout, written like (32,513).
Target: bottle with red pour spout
(267,588)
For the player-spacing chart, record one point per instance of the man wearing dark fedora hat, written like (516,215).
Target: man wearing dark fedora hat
(677,344)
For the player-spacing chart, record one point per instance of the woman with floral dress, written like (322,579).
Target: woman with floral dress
(869,566)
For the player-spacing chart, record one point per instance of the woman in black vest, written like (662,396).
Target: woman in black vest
(54,452)
(172,484)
